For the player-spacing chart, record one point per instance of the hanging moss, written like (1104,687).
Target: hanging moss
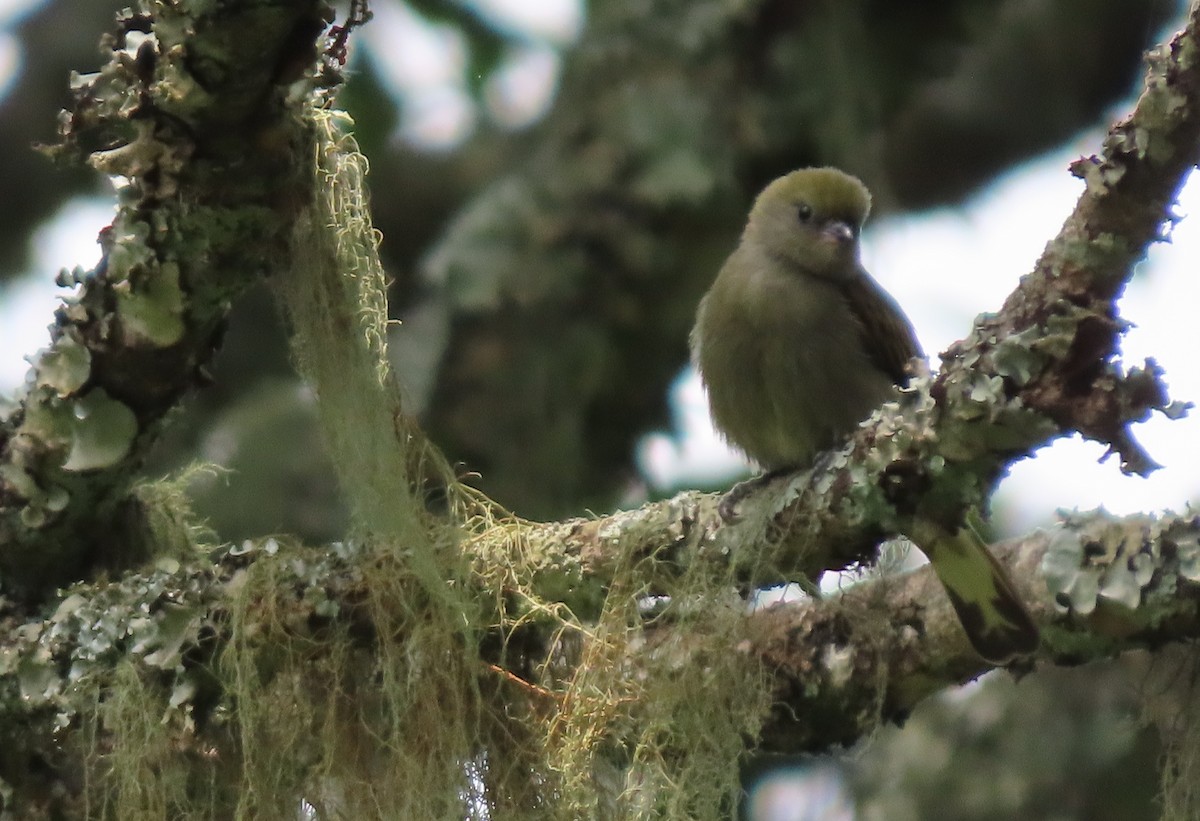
(386,677)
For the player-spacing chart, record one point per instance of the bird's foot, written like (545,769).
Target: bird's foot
(728,505)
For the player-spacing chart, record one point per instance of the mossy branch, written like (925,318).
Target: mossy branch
(837,666)
(195,118)
(1097,584)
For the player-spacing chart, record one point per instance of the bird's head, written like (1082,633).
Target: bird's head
(811,218)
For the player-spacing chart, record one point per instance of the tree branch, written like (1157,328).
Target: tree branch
(1041,368)
(1097,585)
(839,665)
(193,115)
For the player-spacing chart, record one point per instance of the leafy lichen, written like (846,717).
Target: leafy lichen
(102,431)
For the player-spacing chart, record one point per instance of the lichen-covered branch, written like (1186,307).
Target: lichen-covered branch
(838,665)
(192,117)
(555,662)
(1097,585)
(1041,368)
(570,283)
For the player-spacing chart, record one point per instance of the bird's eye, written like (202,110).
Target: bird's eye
(804,212)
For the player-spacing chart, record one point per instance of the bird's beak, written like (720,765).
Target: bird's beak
(838,231)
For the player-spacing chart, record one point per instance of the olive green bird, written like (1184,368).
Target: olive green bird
(797,344)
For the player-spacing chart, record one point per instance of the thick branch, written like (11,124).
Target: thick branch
(191,113)
(846,661)
(839,665)
(1097,585)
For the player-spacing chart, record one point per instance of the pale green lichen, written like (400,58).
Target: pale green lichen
(1055,338)
(49,422)
(128,251)
(151,307)
(1131,562)
(102,432)
(1070,581)
(1017,359)
(176,626)
(18,481)
(150,300)
(1100,176)
(65,368)
(1120,584)
(1187,550)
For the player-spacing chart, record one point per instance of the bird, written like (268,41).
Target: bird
(796,344)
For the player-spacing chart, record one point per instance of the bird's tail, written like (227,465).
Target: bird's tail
(992,614)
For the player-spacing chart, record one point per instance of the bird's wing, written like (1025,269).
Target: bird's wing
(887,334)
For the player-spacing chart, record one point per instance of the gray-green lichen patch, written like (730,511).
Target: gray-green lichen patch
(127,248)
(150,301)
(65,368)
(60,663)
(1099,175)
(39,503)
(162,638)
(151,307)
(47,424)
(18,481)
(1188,552)
(1017,357)
(1055,338)
(1080,568)
(154,618)
(1094,558)
(102,432)
(984,418)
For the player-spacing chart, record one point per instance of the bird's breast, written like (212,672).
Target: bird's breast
(785,368)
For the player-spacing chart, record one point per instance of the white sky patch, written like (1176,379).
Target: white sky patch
(411,50)
(695,453)
(556,21)
(11,11)
(11,55)
(438,118)
(945,267)
(809,791)
(422,64)
(523,86)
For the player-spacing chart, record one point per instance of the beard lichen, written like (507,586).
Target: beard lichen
(370,714)
(425,667)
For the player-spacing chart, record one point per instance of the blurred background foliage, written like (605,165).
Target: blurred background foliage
(547,257)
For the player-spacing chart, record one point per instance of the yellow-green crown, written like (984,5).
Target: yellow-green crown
(831,193)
